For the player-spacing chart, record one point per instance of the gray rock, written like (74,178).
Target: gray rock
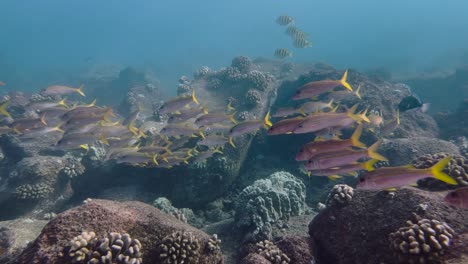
(404,150)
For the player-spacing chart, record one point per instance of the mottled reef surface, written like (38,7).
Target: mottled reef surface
(252,204)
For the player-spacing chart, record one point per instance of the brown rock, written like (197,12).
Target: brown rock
(254,258)
(358,233)
(299,249)
(141,221)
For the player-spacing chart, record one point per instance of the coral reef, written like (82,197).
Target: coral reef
(259,80)
(33,191)
(457,169)
(136,218)
(454,124)
(270,251)
(421,242)
(371,216)
(183,214)
(340,194)
(214,244)
(202,72)
(242,63)
(252,98)
(183,88)
(115,248)
(179,247)
(73,167)
(269,201)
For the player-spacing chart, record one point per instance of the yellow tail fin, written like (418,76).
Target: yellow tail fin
(231,142)
(344,83)
(334,177)
(43,121)
(330,104)
(398,116)
(200,132)
(266,120)
(355,137)
(62,102)
(437,172)
(204,110)
(357,92)
(193,97)
(3,108)
(93,103)
(218,150)
(58,129)
(229,107)
(363,116)
(80,90)
(84,146)
(301,111)
(372,151)
(369,165)
(353,108)
(231,117)
(103,139)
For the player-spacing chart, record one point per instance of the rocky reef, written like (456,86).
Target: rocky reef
(380,220)
(151,234)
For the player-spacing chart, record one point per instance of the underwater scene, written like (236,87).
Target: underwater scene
(267,131)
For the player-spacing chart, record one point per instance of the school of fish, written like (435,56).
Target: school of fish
(330,156)
(192,133)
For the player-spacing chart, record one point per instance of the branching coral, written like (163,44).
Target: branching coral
(270,251)
(340,194)
(214,244)
(116,248)
(179,247)
(421,242)
(33,191)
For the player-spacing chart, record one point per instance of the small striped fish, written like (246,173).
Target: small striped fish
(301,43)
(284,20)
(291,30)
(282,53)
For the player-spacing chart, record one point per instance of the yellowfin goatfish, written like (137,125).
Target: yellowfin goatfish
(38,132)
(314,148)
(301,43)
(315,88)
(74,141)
(393,177)
(339,158)
(319,121)
(61,90)
(213,118)
(285,126)
(207,154)
(312,107)
(284,112)
(181,130)
(177,103)
(22,125)
(284,20)
(282,53)
(215,141)
(346,169)
(39,106)
(3,109)
(389,127)
(458,198)
(250,126)
(185,115)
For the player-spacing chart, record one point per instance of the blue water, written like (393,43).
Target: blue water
(43,39)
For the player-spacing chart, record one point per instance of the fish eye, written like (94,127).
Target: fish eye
(361,179)
(454,194)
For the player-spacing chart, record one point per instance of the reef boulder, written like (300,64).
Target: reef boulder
(150,233)
(360,232)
